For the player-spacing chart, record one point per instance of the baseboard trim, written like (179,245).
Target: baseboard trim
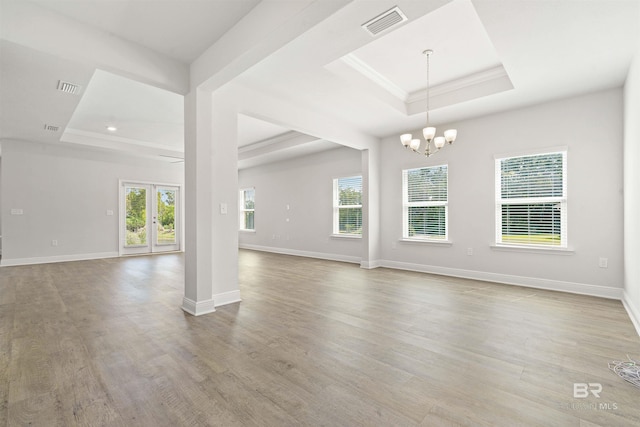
(531,282)
(227,298)
(198,308)
(371,264)
(632,310)
(58,258)
(307,254)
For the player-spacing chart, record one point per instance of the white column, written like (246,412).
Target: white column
(225,220)
(211,204)
(198,206)
(370,208)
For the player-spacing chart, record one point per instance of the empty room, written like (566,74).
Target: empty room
(320,212)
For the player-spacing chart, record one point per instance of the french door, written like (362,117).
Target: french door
(149,218)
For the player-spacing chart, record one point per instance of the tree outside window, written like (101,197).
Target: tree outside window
(247,209)
(347,206)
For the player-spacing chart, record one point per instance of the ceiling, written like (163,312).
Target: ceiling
(178,29)
(489,56)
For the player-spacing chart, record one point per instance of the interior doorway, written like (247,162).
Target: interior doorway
(149,218)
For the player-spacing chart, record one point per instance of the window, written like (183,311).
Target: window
(247,209)
(531,200)
(425,203)
(347,205)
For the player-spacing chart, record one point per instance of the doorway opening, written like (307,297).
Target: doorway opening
(149,218)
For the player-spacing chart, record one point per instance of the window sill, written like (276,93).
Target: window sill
(346,236)
(247,231)
(533,249)
(427,241)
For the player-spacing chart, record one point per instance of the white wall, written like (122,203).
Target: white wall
(306,186)
(632,191)
(1,204)
(64,194)
(590,127)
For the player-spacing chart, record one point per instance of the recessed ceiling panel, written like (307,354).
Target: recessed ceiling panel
(455,34)
(140,112)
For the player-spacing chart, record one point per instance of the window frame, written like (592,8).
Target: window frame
(406,205)
(561,200)
(337,207)
(243,210)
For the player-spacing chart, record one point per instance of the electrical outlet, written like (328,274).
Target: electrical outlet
(109,212)
(54,243)
(603,262)
(15,211)
(469,251)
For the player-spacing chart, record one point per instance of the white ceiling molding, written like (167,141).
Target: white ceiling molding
(111,142)
(270,145)
(473,86)
(370,72)
(390,95)
(480,77)
(284,150)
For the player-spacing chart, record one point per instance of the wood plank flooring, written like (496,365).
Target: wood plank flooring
(313,342)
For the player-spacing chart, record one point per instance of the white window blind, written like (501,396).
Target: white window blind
(531,200)
(347,205)
(247,209)
(425,203)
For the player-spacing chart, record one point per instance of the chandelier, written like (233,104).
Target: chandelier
(429,132)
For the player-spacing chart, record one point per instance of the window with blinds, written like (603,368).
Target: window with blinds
(425,203)
(531,200)
(247,209)
(347,205)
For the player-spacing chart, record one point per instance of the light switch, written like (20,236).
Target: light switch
(223,208)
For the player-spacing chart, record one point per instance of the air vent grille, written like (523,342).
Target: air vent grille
(388,19)
(52,128)
(67,87)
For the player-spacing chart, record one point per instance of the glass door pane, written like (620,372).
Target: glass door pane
(166,216)
(136,217)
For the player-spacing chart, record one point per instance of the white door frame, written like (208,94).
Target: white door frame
(151,188)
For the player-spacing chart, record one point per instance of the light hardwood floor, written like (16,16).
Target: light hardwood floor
(313,342)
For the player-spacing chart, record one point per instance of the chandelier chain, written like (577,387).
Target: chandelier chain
(428,85)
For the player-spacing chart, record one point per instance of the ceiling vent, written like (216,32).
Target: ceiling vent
(388,19)
(52,128)
(67,87)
